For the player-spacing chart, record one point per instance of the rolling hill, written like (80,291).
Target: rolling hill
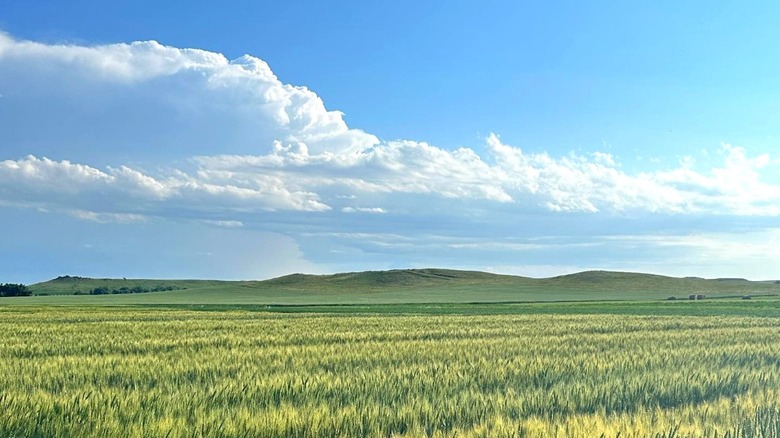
(72,285)
(394,286)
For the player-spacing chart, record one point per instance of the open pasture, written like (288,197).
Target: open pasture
(78,372)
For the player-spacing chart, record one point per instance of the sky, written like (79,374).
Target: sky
(249,140)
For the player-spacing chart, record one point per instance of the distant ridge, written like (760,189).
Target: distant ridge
(73,284)
(607,276)
(410,285)
(394,277)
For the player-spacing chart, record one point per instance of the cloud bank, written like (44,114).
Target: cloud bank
(128,132)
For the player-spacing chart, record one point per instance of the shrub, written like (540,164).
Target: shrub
(14,290)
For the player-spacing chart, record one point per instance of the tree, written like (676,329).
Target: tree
(14,290)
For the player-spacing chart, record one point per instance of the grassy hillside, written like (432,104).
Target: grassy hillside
(68,285)
(399,278)
(636,282)
(396,286)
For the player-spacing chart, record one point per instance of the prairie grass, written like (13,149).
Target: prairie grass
(78,372)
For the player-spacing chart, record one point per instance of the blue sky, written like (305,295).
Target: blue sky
(250,139)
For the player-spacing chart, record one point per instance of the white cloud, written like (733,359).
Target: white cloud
(508,245)
(753,254)
(225,224)
(306,158)
(715,246)
(116,62)
(44,181)
(375,210)
(203,88)
(41,182)
(123,218)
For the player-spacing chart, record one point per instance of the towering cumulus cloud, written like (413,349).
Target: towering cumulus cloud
(130,130)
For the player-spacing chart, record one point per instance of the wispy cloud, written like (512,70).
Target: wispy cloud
(124,218)
(225,224)
(374,210)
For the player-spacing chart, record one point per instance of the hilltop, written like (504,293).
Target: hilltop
(396,278)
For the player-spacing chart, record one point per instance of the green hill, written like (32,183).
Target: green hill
(398,278)
(394,286)
(649,283)
(71,285)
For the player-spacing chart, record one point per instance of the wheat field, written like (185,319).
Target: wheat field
(128,372)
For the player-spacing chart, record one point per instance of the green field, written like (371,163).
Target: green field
(469,370)
(407,353)
(399,286)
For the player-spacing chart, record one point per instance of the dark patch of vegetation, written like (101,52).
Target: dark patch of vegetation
(129,290)
(70,285)
(70,278)
(766,308)
(14,290)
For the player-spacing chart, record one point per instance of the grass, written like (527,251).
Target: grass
(543,370)
(768,307)
(406,353)
(397,287)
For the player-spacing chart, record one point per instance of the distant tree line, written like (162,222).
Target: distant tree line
(14,290)
(129,290)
